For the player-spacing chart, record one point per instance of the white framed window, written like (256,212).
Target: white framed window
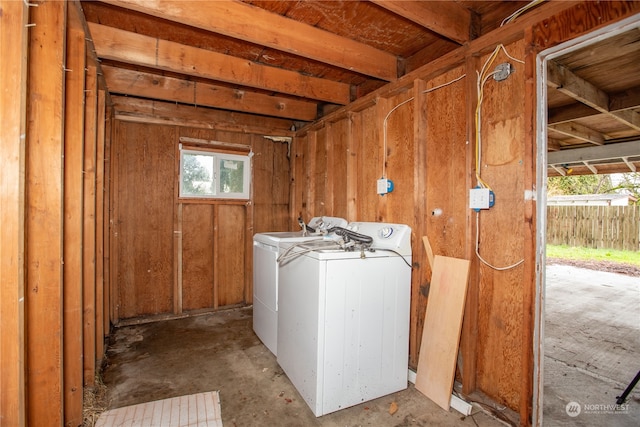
(215,175)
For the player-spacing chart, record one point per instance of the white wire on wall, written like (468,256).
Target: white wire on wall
(386,118)
(520,11)
(483,77)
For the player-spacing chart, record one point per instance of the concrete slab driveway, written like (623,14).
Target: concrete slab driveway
(592,347)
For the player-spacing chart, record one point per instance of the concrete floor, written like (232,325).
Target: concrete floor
(592,342)
(592,347)
(219,351)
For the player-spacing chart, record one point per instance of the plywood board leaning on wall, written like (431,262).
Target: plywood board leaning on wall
(442,326)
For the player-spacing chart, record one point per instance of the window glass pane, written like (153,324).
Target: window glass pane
(197,175)
(231,176)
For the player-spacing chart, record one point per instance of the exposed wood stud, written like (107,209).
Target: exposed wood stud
(89,226)
(73,220)
(44,215)
(14,39)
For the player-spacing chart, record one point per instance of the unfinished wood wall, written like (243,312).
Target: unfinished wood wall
(336,166)
(53,107)
(175,256)
(430,156)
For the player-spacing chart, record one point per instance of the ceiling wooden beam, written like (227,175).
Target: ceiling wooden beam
(253,24)
(595,154)
(124,46)
(565,81)
(581,132)
(154,86)
(138,110)
(446,18)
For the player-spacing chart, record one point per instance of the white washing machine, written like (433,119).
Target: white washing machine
(265,274)
(343,319)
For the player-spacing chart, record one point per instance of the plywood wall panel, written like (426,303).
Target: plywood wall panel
(197,257)
(230,254)
(446,170)
(500,319)
(297,203)
(321,202)
(271,180)
(337,157)
(399,160)
(369,166)
(145,202)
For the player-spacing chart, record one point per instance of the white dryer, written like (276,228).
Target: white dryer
(343,319)
(265,274)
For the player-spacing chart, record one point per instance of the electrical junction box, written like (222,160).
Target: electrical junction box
(384,186)
(481,198)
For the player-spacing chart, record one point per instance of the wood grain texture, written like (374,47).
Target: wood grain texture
(106,224)
(197,257)
(442,326)
(100,220)
(145,219)
(469,339)
(579,19)
(337,164)
(165,113)
(44,214)
(13,105)
(276,31)
(230,254)
(89,224)
(164,88)
(73,220)
(125,46)
(501,316)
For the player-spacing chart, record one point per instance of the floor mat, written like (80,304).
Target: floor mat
(202,410)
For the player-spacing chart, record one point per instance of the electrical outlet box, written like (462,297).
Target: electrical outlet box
(384,186)
(480,198)
(502,71)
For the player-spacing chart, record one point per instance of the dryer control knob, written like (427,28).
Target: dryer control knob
(385,232)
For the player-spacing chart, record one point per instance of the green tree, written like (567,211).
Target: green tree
(196,179)
(579,184)
(231,176)
(629,183)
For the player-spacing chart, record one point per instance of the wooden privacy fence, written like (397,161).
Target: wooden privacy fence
(610,227)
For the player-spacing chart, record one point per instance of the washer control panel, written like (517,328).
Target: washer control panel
(385,235)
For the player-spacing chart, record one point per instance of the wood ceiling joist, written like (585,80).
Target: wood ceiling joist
(253,24)
(578,131)
(133,48)
(565,81)
(166,113)
(148,85)
(448,19)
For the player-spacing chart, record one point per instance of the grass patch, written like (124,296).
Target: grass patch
(586,254)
